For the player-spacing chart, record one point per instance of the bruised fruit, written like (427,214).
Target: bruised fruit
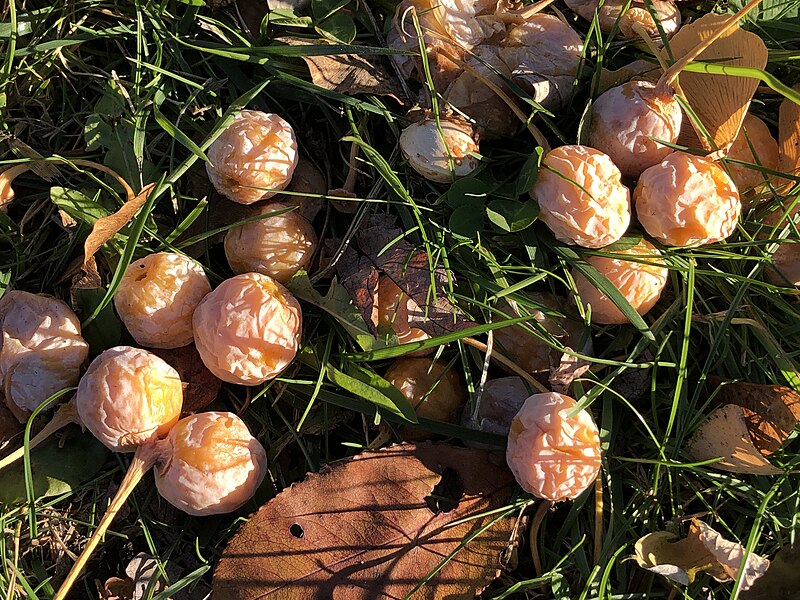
(157,297)
(640,282)
(581,197)
(248,329)
(433,390)
(213,465)
(440,156)
(553,455)
(277,246)
(254,158)
(42,350)
(628,121)
(687,200)
(129,397)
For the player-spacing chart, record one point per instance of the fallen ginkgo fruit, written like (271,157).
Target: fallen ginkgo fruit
(640,282)
(440,156)
(627,17)
(755,146)
(248,329)
(687,200)
(703,550)
(553,455)
(277,246)
(41,351)
(157,297)
(254,158)
(433,390)
(581,197)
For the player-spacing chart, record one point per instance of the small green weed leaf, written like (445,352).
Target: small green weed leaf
(106,330)
(338,28)
(77,205)
(467,192)
(530,172)
(467,221)
(57,468)
(286,18)
(356,386)
(512,216)
(322,9)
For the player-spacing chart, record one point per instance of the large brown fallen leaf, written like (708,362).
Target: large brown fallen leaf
(719,101)
(369,528)
(703,550)
(381,248)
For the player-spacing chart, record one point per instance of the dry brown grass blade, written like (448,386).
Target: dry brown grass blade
(107,227)
(719,101)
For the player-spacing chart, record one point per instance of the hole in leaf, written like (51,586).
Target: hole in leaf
(446,494)
(297,531)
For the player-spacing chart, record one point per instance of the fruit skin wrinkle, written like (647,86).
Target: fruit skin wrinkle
(581,197)
(254,158)
(157,297)
(129,397)
(42,349)
(248,329)
(687,200)
(552,455)
(213,466)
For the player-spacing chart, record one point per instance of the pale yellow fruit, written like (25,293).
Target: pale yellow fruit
(213,464)
(640,283)
(42,350)
(581,197)
(630,121)
(277,246)
(254,158)
(440,156)
(553,455)
(687,200)
(128,397)
(248,329)
(157,297)
(433,390)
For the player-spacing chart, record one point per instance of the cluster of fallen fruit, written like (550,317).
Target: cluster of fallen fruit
(248,329)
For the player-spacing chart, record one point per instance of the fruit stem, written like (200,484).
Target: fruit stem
(66,414)
(144,458)
(672,73)
(507,362)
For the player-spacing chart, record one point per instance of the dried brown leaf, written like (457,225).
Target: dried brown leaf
(116,588)
(367,528)
(107,227)
(724,435)
(771,412)
(351,74)
(782,579)
(359,277)
(703,550)
(200,386)
(568,370)
(719,101)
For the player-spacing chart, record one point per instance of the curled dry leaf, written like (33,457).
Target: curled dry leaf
(375,525)
(719,101)
(771,412)
(782,579)
(724,435)
(200,386)
(350,74)
(567,371)
(107,227)
(703,550)
(754,422)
